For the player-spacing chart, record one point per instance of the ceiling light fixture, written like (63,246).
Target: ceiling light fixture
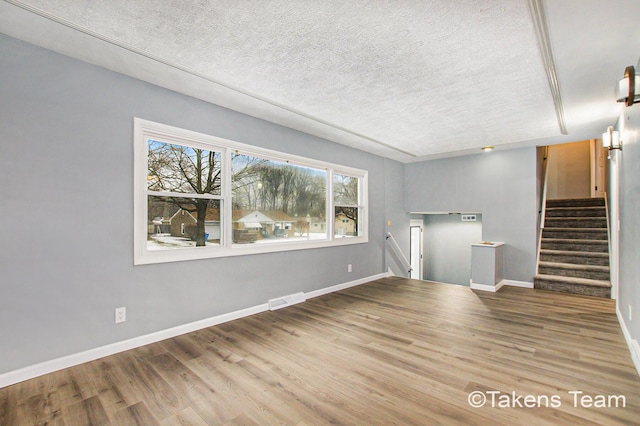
(488,148)
(628,90)
(611,139)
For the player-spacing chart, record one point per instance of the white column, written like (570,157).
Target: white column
(614,218)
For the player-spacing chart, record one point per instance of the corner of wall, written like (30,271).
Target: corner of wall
(634,347)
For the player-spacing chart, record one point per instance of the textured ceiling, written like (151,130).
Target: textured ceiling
(406,79)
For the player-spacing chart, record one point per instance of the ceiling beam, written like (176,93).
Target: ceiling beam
(536,7)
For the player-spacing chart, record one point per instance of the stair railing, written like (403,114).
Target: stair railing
(399,254)
(543,206)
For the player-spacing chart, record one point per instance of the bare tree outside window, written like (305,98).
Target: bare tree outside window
(181,172)
(346,202)
(287,193)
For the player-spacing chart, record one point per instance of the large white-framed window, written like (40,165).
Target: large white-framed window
(199,196)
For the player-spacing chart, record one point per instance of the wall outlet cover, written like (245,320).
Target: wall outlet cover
(121,314)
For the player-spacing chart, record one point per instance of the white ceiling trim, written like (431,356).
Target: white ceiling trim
(536,7)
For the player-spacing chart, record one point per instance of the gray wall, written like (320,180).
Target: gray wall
(501,185)
(629,288)
(66,240)
(399,228)
(447,247)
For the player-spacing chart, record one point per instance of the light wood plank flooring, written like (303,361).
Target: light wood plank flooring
(393,351)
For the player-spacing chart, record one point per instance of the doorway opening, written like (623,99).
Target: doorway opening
(577,170)
(415,249)
(440,246)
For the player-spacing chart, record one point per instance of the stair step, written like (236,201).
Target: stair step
(571,280)
(574,248)
(576,212)
(595,246)
(576,257)
(594,272)
(576,202)
(586,287)
(576,222)
(576,233)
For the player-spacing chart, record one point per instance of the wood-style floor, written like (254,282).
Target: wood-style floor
(394,351)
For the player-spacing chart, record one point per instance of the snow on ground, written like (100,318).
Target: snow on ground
(167,242)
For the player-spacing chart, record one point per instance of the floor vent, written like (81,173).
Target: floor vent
(284,301)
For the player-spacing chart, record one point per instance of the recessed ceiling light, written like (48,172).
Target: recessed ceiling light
(487,148)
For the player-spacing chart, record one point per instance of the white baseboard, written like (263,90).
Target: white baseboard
(515,283)
(491,288)
(36,370)
(343,286)
(487,287)
(46,367)
(634,347)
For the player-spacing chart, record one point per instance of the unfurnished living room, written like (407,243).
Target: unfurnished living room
(319,212)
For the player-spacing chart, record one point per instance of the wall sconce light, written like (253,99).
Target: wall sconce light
(628,90)
(611,139)
(487,148)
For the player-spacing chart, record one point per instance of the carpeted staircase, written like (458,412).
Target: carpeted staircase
(574,254)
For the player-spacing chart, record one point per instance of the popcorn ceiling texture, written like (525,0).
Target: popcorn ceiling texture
(426,77)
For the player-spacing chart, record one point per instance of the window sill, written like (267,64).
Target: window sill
(144,257)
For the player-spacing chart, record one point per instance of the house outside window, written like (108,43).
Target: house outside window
(282,194)
(199,196)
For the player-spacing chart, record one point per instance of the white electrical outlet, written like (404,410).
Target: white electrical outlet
(630,313)
(349,268)
(121,314)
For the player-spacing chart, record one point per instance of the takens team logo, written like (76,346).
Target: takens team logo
(498,399)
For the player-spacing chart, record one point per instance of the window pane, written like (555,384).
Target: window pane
(276,201)
(176,222)
(345,190)
(346,221)
(178,168)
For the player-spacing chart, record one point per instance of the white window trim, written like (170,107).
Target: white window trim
(361,205)
(144,129)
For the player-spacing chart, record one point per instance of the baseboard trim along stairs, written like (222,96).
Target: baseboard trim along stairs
(574,249)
